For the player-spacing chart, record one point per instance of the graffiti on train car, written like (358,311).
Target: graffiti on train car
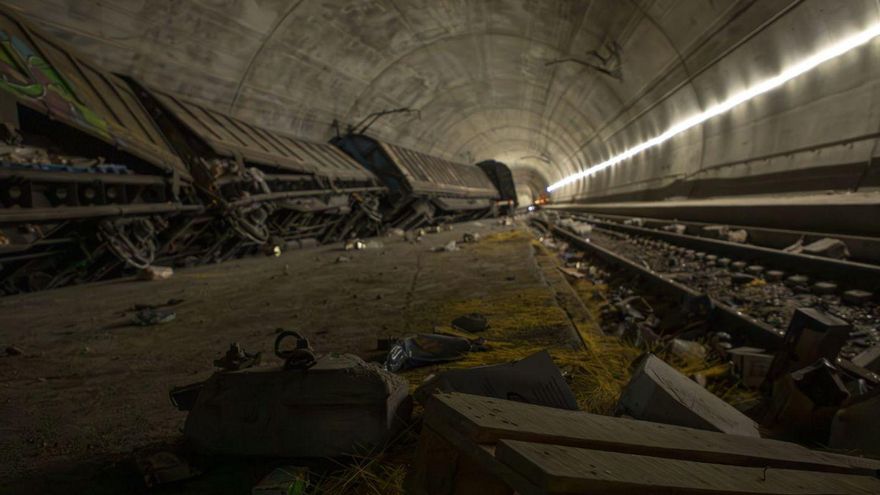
(26,74)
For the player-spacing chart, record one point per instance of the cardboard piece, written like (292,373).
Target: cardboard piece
(533,380)
(339,406)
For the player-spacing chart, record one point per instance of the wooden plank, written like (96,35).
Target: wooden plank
(481,458)
(658,392)
(557,470)
(486,420)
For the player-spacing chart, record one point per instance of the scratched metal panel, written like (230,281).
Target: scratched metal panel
(49,77)
(431,174)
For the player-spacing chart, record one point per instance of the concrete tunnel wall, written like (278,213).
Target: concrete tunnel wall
(478,72)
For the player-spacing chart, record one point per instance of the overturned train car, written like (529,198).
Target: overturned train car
(262,189)
(87,181)
(422,189)
(501,176)
(100,175)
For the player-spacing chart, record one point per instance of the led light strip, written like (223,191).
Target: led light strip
(762,87)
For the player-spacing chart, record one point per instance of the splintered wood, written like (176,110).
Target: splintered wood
(483,446)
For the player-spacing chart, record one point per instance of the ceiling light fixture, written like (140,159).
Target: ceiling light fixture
(760,88)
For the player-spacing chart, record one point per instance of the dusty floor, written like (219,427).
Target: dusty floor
(90,387)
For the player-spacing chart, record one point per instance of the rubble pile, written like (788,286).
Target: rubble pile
(819,372)
(705,398)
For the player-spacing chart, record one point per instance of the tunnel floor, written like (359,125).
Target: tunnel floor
(91,386)
(87,393)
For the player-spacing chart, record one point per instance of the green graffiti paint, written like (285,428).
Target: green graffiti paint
(26,74)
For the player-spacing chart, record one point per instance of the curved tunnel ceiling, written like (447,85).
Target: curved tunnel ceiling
(488,76)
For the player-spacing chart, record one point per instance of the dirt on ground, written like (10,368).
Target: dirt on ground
(91,387)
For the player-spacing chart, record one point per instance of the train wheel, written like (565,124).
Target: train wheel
(132,240)
(250,223)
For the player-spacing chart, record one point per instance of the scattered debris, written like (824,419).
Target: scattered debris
(675,227)
(868,359)
(828,248)
(505,222)
(533,380)
(336,407)
(343,259)
(14,351)
(795,248)
(359,245)
(355,244)
(811,336)
(571,272)
(288,480)
(156,273)
(750,364)
(301,356)
(471,322)
(396,232)
(153,316)
(272,250)
(720,342)
(657,392)
(449,247)
(739,236)
(237,359)
(470,238)
(578,227)
(164,467)
(803,403)
(688,350)
(426,349)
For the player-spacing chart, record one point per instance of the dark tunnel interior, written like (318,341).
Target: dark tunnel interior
(439,247)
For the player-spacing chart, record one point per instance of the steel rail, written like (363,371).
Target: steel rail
(720,315)
(850,274)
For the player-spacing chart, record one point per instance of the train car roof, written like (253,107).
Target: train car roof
(431,174)
(49,77)
(230,136)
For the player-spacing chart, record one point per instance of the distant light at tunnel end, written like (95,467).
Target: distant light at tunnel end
(762,87)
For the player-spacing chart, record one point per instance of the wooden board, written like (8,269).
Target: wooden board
(558,469)
(483,420)
(660,393)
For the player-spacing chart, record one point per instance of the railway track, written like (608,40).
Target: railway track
(750,292)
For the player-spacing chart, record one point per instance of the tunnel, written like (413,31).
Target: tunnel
(440,246)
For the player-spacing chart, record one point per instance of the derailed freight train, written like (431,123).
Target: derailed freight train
(422,189)
(100,175)
(260,188)
(87,180)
